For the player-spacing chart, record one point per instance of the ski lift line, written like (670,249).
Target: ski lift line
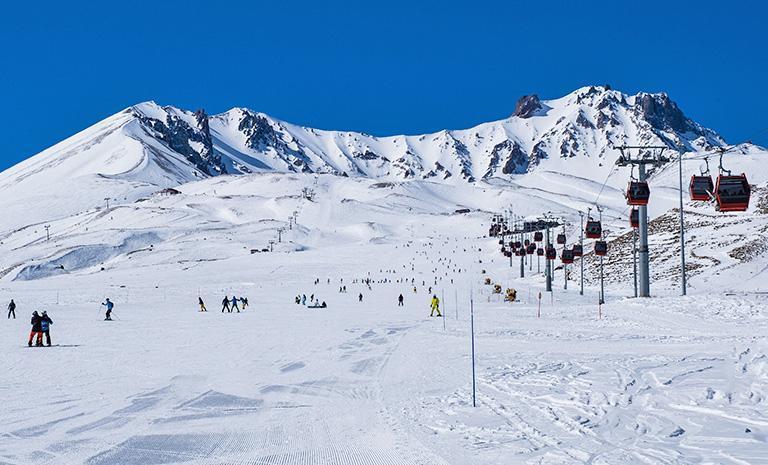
(604,183)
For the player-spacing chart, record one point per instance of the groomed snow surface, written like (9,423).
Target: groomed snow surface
(669,379)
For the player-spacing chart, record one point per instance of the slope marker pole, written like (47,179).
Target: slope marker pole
(472,331)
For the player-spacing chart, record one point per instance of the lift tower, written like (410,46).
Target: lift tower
(647,155)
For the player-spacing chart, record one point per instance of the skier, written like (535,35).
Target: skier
(303,299)
(12,309)
(435,306)
(400,300)
(225,305)
(244,301)
(109,306)
(202,304)
(45,326)
(360,297)
(37,330)
(234,304)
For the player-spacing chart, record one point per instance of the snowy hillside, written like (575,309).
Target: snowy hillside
(148,147)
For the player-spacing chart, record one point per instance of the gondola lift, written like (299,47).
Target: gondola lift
(701,187)
(732,192)
(578,250)
(601,248)
(593,229)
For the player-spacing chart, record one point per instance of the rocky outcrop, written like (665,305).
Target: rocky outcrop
(192,141)
(527,106)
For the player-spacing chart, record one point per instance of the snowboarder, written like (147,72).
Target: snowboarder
(202,304)
(12,309)
(400,300)
(435,306)
(37,330)
(109,306)
(360,297)
(234,304)
(225,305)
(45,326)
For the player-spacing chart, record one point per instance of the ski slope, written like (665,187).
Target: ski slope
(665,380)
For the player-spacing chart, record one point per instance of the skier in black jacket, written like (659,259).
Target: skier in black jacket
(37,330)
(12,309)
(225,305)
(45,326)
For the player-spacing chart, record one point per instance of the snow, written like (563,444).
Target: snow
(664,380)
(667,379)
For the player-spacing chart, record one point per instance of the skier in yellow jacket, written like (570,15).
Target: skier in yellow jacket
(435,306)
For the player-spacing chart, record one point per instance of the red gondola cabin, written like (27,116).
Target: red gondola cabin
(578,250)
(638,193)
(732,193)
(701,188)
(594,229)
(601,248)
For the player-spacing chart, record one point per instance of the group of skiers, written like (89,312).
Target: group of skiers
(313,303)
(227,305)
(41,325)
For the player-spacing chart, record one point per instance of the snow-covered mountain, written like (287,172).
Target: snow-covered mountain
(585,123)
(543,146)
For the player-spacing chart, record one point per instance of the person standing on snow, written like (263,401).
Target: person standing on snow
(225,305)
(109,306)
(244,301)
(37,330)
(202,304)
(234,304)
(45,326)
(360,297)
(400,300)
(435,304)
(12,309)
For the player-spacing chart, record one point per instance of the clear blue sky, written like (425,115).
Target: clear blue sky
(386,68)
